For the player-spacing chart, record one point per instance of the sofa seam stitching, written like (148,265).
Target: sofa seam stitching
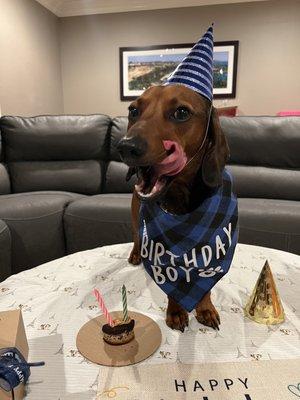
(32,218)
(267,231)
(36,193)
(89,219)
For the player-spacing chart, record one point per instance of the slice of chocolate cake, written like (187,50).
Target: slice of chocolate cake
(121,333)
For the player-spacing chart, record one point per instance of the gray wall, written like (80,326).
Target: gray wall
(269,57)
(30,69)
(71,65)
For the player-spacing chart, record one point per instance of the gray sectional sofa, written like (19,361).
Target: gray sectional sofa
(63,188)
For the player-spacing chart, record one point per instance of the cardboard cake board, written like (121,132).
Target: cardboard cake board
(92,346)
(12,334)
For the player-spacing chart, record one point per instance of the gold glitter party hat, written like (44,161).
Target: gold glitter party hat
(264,305)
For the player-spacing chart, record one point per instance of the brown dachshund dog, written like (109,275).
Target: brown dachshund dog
(167,132)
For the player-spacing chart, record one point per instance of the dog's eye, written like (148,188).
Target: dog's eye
(133,112)
(182,114)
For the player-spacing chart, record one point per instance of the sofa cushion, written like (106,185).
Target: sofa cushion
(266,182)
(72,176)
(56,152)
(97,221)
(4,177)
(264,158)
(106,219)
(115,179)
(267,141)
(116,170)
(5,251)
(118,130)
(4,180)
(35,221)
(270,223)
(62,137)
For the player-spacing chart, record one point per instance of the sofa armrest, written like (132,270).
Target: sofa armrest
(5,251)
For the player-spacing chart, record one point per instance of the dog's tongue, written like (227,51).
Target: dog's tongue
(173,163)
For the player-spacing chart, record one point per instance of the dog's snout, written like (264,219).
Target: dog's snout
(132,149)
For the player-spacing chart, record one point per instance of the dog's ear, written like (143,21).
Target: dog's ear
(131,171)
(217,153)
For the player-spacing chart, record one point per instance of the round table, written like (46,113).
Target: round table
(56,300)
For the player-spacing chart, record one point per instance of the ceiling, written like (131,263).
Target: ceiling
(68,8)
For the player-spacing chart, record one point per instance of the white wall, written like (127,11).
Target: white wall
(71,65)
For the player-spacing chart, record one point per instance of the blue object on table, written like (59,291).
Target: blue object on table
(14,369)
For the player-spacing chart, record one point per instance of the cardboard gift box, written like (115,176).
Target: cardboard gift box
(12,334)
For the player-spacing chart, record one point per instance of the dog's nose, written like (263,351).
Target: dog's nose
(132,149)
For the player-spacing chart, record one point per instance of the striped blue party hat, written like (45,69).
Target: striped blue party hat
(196,70)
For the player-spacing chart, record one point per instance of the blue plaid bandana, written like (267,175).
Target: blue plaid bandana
(186,255)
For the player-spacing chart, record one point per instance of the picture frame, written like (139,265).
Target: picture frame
(141,67)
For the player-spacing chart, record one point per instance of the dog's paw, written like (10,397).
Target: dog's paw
(178,319)
(135,257)
(209,317)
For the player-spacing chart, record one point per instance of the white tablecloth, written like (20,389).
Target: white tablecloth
(56,300)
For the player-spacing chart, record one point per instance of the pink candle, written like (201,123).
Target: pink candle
(103,307)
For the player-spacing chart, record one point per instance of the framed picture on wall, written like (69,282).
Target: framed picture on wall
(141,67)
